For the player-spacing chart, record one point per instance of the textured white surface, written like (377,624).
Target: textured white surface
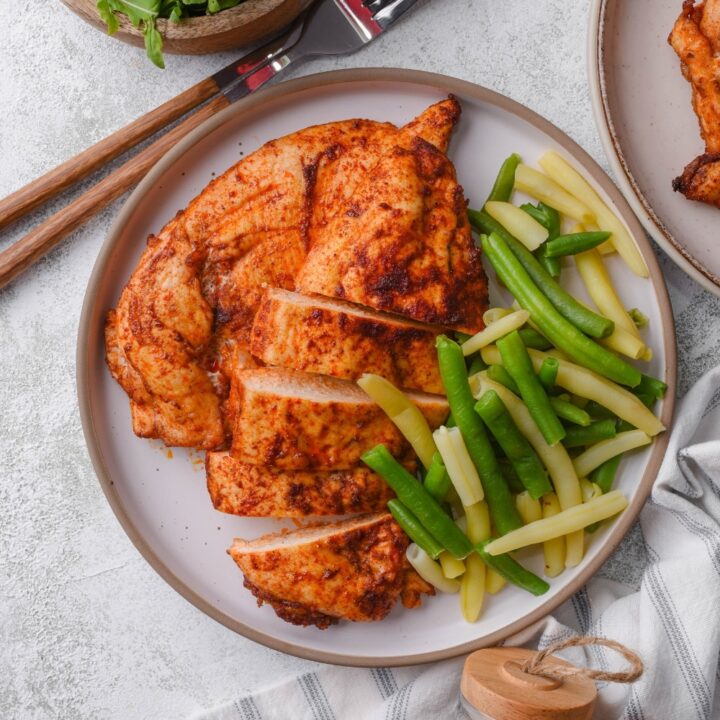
(87,629)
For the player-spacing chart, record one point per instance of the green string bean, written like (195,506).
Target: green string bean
(581,317)
(437,481)
(548,372)
(517,362)
(513,571)
(574,243)
(414,530)
(500,375)
(533,339)
(505,181)
(589,435)
(563,334)
(604,475)
(524,459)
(454,376)
(549,218)
(419,501)
(567,411)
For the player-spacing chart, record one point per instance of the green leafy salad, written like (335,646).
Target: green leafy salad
(144,13)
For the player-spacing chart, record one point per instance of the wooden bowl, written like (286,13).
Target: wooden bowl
(236,27)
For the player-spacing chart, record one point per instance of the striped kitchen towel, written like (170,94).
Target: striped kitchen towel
(659,594)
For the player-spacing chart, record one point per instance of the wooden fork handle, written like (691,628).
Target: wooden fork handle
(44,237)
(78,167)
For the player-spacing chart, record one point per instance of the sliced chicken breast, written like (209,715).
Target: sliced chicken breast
(354,570)
(155,341)
(255,491)
(330,337)
(298,421)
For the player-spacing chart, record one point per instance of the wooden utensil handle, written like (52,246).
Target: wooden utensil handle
(44,237)
(78,167)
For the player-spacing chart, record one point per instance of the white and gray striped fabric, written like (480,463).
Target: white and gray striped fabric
(659,594)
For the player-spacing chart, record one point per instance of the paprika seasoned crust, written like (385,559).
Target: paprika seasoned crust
(353,570)
(695,37)
(298,421)
(402,244)
(701,179)
(155,340)
(255,491)
(183,320)
(330,337)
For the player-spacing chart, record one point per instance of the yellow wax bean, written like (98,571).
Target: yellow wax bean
(598,453)
(498,329)
(588,384)
(572,181)
(566,521)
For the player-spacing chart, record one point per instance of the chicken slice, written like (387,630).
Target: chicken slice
(414,587)
(330,337)
(155,340)
(353,570)
(255,491)
(298,421)
(402,244)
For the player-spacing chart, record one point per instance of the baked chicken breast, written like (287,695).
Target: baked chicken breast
(355,570)
(298,421)
(330,337)
(337,250)
(695,37)
(239,488)
(182,324)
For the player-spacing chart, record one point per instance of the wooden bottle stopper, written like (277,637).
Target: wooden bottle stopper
(496,686)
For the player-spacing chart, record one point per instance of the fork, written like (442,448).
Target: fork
(328,27)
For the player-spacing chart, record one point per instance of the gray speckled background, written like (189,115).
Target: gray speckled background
(87,629)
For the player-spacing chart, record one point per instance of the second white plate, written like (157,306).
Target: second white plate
(643,111)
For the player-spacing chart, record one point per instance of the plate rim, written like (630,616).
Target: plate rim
(616,158)
(90,315)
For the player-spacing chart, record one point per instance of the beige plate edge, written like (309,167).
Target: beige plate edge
(613,151)
(90,312)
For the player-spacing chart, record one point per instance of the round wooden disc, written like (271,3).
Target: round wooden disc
(494,684)
(242,25)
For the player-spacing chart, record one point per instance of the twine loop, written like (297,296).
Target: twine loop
(536,665)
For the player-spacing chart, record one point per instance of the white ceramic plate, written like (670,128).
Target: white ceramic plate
(643,110)
(162,501)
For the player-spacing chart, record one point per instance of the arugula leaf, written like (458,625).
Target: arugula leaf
(108,16)
(172,9)
(138,11)
(144,13)
(214,6)
(153,43)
